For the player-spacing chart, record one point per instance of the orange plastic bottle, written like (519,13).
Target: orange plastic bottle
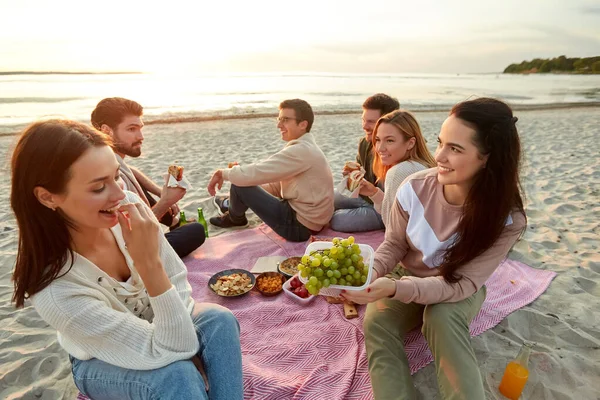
(516,374)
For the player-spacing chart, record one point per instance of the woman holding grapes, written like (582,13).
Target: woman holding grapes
(450,227)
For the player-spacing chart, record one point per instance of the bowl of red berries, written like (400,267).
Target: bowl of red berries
(297,291)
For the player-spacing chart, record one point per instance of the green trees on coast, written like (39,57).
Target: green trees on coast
(562,64)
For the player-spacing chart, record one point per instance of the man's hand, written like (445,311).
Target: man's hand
(367,188)
(215,181)
(174,210)
(378,289)
(169,196)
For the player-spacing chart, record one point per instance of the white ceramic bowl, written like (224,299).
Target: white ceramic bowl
(287,289)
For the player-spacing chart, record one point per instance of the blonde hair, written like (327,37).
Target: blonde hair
(409,128)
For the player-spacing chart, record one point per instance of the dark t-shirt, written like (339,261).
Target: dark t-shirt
(365,158)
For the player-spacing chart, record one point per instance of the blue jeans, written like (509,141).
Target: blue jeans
(219,337)
(354,215)
(275,212)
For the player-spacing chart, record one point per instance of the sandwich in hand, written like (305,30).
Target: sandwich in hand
(354,179)
(176,171)
(351,166)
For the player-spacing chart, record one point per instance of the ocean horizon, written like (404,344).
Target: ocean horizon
(27,96)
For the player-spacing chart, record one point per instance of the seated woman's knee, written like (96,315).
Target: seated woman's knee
(216,314)
(373,322)
(226,318)
(340,223)
(438,316)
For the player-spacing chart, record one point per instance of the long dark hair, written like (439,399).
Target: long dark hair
(43,157)
(496,189)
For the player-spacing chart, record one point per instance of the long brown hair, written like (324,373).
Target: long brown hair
(409,128)
(496,189)
(43,157)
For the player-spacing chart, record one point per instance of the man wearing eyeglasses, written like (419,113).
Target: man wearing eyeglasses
(356,215)
(291,191)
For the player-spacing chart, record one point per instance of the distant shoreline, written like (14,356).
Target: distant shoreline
(149,120)
(208,118)
(536,72)
(3,73)
(561,65)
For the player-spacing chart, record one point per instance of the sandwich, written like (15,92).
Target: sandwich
(176,172)
(354,179)
(352,166)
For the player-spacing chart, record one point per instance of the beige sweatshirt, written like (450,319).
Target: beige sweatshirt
(421,226)
(298,173)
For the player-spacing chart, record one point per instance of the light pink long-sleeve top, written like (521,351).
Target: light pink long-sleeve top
(422,225)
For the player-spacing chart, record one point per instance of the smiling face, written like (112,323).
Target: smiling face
(289,126)
(128,136)
(369,119)
(92,193)
(458,158)
(391,146)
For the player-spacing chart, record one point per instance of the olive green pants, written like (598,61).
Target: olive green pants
(446,329)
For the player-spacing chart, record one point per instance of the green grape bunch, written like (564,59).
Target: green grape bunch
(341,265)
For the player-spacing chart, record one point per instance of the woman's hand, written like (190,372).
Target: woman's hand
(367,188)
(140,233)
(378,289)
(200,367)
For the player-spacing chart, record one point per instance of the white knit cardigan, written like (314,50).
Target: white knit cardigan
(117,322)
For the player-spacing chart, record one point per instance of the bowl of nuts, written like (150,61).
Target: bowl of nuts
(232,282)
(270,283)
(289,266)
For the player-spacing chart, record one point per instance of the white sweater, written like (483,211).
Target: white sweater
(117,322)
(383,201)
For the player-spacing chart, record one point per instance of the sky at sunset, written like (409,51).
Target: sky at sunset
(266,36)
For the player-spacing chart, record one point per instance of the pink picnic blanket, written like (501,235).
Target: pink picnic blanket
(293,351)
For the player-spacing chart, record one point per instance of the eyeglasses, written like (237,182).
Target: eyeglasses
(283,120)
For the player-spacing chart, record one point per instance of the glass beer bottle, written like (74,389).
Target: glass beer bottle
(182,220)
(516,374)
(202,221)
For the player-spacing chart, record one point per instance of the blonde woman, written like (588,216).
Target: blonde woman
(400,151)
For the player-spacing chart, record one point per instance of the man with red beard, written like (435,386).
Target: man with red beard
(122,120)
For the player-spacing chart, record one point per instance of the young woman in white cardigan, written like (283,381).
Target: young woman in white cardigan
(101,273)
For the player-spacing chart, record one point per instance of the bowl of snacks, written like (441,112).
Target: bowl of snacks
(232,282)
(297,291)
(270,283)
(327,268)
(289,266)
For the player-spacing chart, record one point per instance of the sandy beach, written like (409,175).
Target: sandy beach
(561,179)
